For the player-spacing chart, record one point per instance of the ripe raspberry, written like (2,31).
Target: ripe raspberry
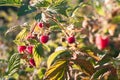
(32,62)
(44,38)
(29,49)
(101,41)
(21,49)
(71,39)
(40,24)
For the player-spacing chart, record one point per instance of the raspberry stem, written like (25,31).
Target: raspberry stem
(62,28)
(32,30)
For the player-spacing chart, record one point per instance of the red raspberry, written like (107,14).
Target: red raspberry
(44,38)
(40,24)
(101,41)
(71,39)
(29,49)
(32,62)
(21,49)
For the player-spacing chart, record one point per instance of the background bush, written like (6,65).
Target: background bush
(91,53)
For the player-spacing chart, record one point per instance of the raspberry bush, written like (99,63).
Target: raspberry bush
(66,40)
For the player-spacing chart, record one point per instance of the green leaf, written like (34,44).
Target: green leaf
(100,10)
(41,73)
(38,53)
(98,7)
(43,3)
(54,55)
(21,34)
(59,75)
(56,71)
(26,9)
(92,54)
(28,69)
(104,60)
(50,1)
(98,73)
(55,27)
(46,47)
(118,1)
(13,64)
(38,17)
(39,49)
(43,17)
(80,1)
(18,42)
(61,7)
(116,19)
(71,11)
(15,3)
(85,66)
(33,41)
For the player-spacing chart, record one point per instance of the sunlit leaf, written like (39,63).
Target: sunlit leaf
(99,8)
(46,47)
(43,17)
(93,55)
(85,66)
(18,42)
(41,73)
(56,71)
(59,75)
(28,69)
(54,55)
(15,3)
(21,34)
(37,55)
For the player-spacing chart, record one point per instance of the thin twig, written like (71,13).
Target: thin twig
(63,30)
(32,30)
